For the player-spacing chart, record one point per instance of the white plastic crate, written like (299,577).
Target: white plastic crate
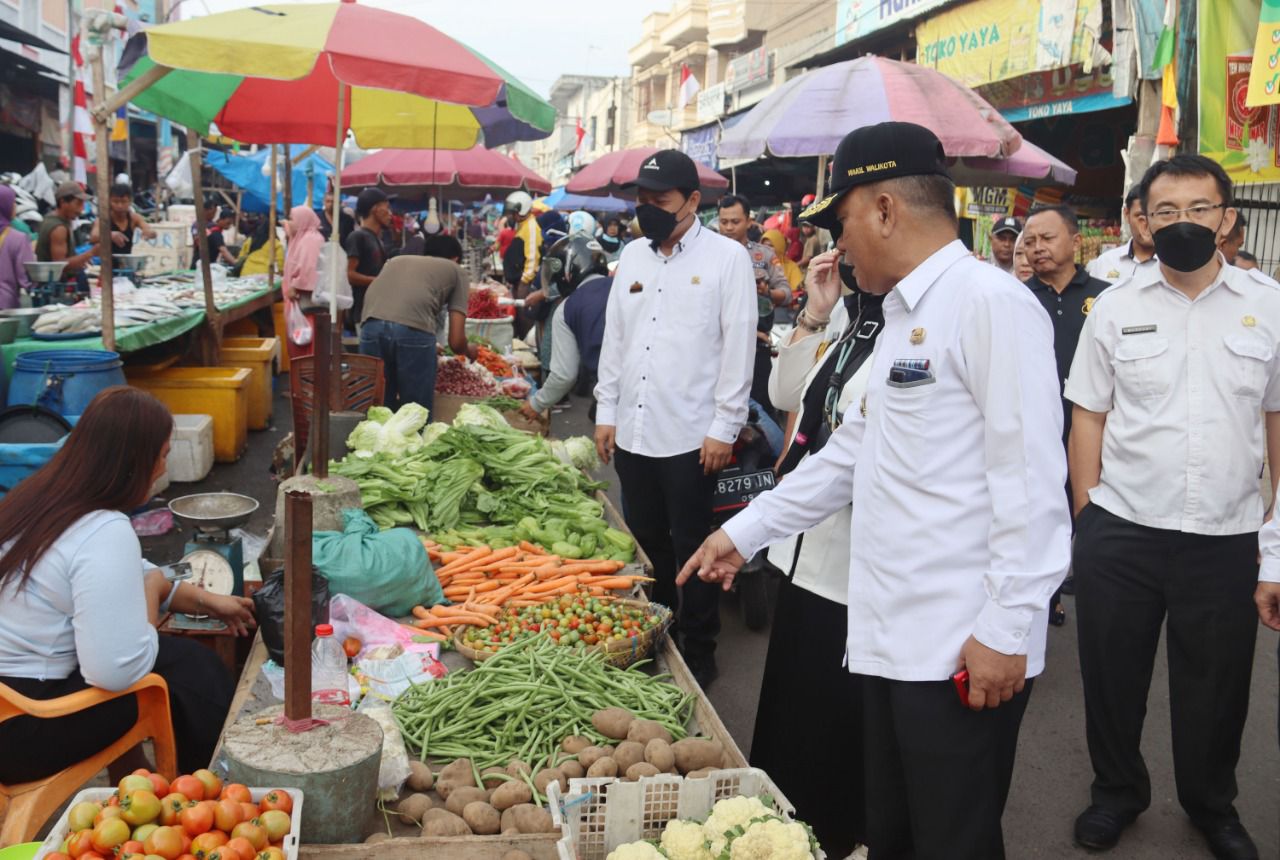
(190,448)
(599,814)
(53,842)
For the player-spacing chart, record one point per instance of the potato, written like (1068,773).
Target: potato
(516,854)
(603,767)
(657,752)
(643,731)
(412,808)
(533,819)
(508,795)
(462,795)
(574,744)
(489,781)
(420,777)
(509,821)
(482,818)
(517,767)
(589,755)
(572,769)
(613,722)
(697,753)
(609,749)
(456,775)
(374,838)
(701,773)
(628,753)
(641,769)
(548,775)
(441,822)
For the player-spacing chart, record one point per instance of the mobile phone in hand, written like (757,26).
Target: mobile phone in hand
(961,680)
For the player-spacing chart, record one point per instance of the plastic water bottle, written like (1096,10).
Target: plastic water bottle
(328,669)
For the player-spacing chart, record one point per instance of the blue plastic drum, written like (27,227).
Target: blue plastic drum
(63,380)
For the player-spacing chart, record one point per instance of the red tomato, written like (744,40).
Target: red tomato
(211,782)
(253,831)
(227,814)
(189,786)
(206,843)
(237,792)
(187,857)
(159,784)
(351,645)
(109,835)
(242,846)
(165,842)
(248,811)
(277,824)
(132,847)
(80,844)
(225,853)
(196,819)
(271,853)
(171,807)
(57,855)
(277,798)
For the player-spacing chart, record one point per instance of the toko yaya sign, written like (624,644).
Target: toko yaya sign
(858,18)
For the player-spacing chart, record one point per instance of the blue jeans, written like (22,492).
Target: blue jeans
(408,361)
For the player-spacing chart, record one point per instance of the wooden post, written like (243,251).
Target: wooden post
(319,441)
(297,606)
(822,178)
(288,180)
(271,225)
(102,150)
(213,332)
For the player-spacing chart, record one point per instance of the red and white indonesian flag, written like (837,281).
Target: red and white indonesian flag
(689,86)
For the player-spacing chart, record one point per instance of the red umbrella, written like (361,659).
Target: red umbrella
(608,173)
(426,170)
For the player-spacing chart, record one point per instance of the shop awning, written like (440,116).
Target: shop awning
(14,34)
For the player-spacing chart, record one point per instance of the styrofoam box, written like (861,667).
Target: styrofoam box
(599,814)
(53,842)
(190,448)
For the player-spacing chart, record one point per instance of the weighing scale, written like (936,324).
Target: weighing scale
(213,558)
(129,266)
(47,286)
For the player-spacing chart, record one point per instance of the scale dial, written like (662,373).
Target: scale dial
(210,571)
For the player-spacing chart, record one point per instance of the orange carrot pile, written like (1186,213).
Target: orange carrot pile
(479,580)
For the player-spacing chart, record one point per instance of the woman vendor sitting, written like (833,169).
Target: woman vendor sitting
(77,608)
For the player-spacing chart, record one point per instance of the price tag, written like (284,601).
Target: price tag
(735,489)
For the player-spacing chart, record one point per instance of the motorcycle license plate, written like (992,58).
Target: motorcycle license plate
(735,489)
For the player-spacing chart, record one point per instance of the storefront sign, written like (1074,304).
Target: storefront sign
(1054,93)
(989,201)
(711,103)
(1241,138)
(702,144)
(858,18)
(1264,79)
(749,70)
(994,40)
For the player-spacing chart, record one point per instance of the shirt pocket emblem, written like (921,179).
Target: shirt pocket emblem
(1141,367)
(1249,356)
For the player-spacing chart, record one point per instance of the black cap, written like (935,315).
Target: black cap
(875,153)
(664,170)
(1007,224)
(370,198)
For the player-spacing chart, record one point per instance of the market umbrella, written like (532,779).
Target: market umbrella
(809,115)
(1030,162)
(562,201)
(419,170)
(608,173)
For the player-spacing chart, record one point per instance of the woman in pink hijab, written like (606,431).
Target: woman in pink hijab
(300,266)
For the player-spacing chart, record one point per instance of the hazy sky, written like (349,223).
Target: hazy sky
(535,41)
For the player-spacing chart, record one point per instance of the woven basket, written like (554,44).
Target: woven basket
(621,653)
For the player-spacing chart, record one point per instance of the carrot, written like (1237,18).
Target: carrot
(483,608)
(490,585)
(592,567)
(532,547)
(502,594)
(474,620)
(551,585)
(457,565)
(421,612)
(614,583)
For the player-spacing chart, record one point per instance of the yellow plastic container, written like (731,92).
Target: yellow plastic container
(241,328)
(259,355)
(282,332)
(219,392)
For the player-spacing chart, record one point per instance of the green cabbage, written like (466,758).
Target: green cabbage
(387,433)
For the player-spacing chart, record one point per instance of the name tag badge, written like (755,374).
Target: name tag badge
(1138,329)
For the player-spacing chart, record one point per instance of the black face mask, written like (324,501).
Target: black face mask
(1186,246)
(656,223)
(846,275)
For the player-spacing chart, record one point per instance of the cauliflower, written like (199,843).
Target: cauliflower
(730,813)
(772,839)
(685,840)
(635,851)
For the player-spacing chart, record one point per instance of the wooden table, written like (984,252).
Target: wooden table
(221,642)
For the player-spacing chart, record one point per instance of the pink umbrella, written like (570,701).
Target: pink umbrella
(608,173)
(1030,162)
(423,170)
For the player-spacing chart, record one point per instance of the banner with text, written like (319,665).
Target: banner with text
(1264,79)
(1241,138)
(858,18)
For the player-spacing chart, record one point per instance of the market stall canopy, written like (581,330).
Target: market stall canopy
(422,171)
(273,74)
(562,201)
(1029,165)
(608,173)
(246,172)
(11,33)
(809,115)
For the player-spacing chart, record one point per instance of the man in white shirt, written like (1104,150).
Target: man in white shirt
(1004,238)
(1173,373)
(674,376)
(960,531)
(1138,254)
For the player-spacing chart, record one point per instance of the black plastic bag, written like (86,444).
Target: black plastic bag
(268,606)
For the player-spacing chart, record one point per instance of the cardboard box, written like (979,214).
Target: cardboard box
(168,251)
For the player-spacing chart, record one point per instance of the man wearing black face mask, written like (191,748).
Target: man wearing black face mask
(1173,373)
(674,376)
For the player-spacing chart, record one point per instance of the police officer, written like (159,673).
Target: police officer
(1174,371)
(960,529)
(772,290)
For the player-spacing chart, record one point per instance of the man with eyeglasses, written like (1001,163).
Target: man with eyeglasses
(1173,373)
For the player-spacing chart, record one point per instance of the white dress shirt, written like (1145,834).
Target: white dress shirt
(1183,384)
(1119,264)
(679,345)
(959,525)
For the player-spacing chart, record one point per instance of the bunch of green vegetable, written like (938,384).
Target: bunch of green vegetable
(520,704)
(595,540)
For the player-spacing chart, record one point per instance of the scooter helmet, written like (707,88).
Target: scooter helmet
(518,203)
(571,260)
(582,224)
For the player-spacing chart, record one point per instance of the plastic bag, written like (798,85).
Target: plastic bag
(350,617)
(387,571)
(268,608)
(296,323)
(393,770)
(333,277)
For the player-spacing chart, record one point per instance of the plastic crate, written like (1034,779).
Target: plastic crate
(258,354)
(597,815)
(53,842)
(220,392)
(190,448)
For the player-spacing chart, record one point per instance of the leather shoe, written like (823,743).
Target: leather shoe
(1230,841)
(1099,828)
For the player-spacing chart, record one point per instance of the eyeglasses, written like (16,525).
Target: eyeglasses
(1195,213)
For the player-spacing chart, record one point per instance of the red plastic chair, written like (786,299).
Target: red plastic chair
(363,385)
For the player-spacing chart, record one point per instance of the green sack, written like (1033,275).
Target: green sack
(387,571)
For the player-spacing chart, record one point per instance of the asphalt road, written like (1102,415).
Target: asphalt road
(1051,782)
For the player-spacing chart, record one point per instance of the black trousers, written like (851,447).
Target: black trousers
(1129,578)
(667,505)
(760,380)
(806,664)
(200,691)
(937,773)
